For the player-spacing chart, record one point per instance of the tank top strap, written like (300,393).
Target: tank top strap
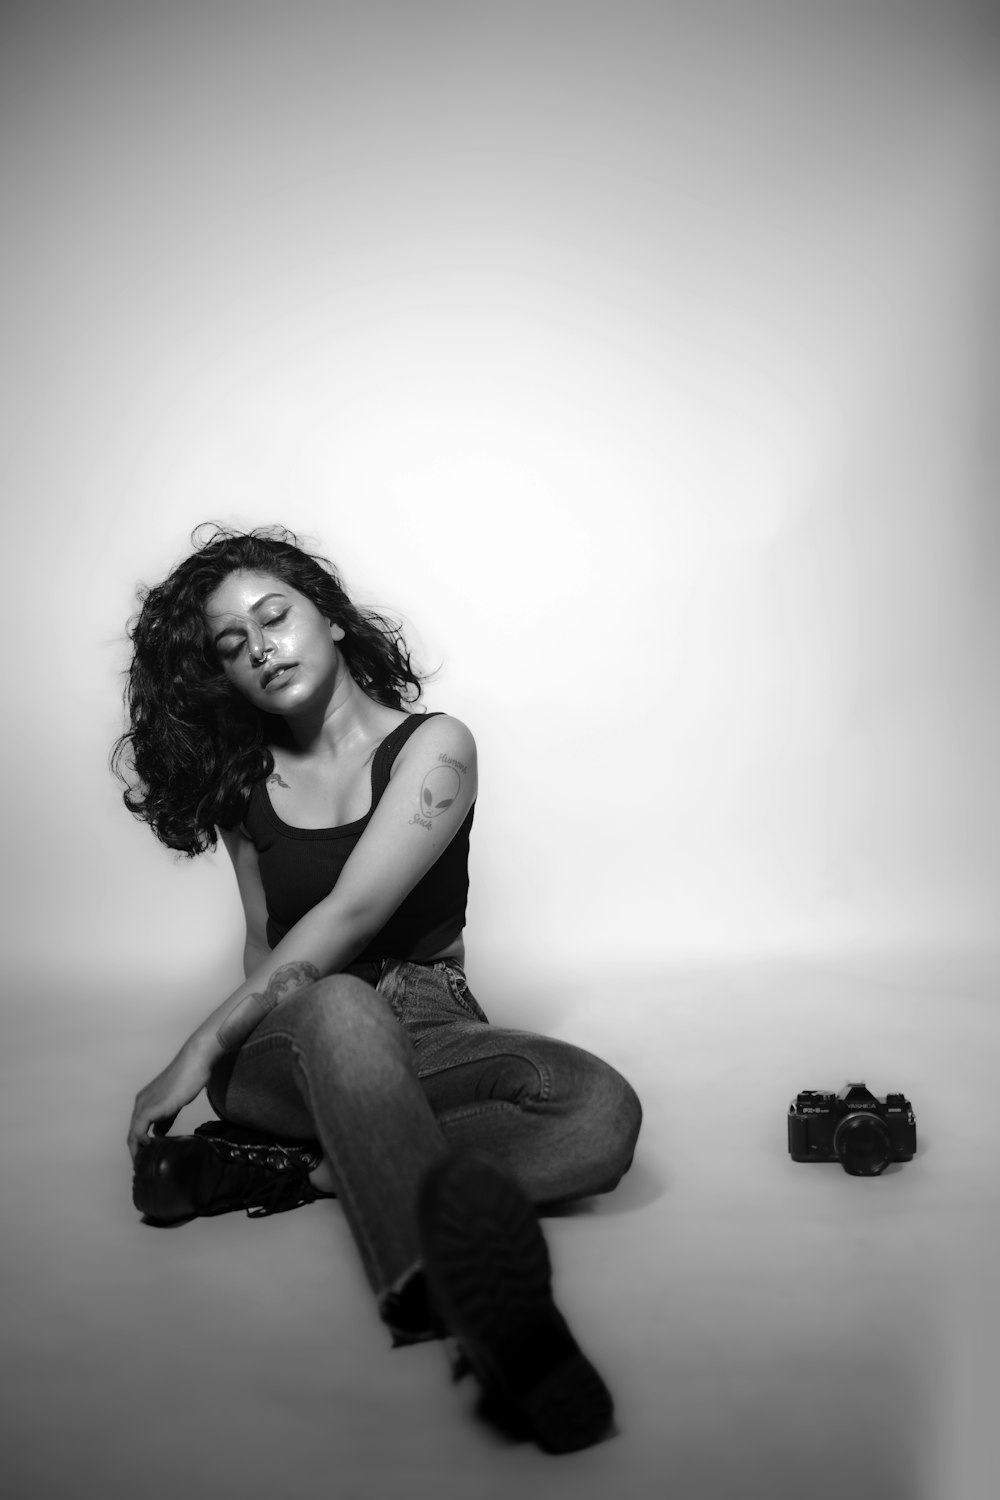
(390,747)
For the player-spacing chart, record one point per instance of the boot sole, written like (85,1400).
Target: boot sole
(490,1276)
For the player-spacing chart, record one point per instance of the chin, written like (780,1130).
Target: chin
(292,700)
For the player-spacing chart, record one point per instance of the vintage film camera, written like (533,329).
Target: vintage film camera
(853,1127)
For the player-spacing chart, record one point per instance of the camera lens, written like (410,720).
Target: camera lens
(863,1144)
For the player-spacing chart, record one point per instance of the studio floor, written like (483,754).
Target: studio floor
(770,1330)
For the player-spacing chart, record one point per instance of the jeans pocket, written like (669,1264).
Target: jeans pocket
(458,987)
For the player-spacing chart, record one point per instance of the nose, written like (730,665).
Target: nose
(258,648)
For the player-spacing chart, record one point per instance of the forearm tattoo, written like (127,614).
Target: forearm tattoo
(248,1013)
(439,789)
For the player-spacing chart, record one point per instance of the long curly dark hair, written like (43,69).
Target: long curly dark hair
(196,746)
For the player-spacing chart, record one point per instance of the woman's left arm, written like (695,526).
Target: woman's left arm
(432,786)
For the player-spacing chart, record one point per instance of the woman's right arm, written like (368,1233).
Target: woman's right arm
(244,857)
(185,1077)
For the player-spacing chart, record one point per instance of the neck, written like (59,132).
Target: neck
(348,718)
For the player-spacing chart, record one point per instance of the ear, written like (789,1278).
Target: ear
(337,632)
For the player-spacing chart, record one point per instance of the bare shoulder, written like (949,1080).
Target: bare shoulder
(439,759)
(444,739)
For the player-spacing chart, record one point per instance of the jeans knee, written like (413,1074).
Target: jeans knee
(334,1008)
(630,1117)
(617,1105)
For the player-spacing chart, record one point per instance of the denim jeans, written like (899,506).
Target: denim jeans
(393,1065)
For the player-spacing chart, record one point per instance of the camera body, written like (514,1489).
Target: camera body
(854,1127)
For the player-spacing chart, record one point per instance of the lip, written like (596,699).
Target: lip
(277,675)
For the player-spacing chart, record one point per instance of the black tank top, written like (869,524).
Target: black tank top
(299,866)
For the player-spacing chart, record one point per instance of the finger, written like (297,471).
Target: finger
(138,1132)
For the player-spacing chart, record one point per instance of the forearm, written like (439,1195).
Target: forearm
(254,954)
(317,945)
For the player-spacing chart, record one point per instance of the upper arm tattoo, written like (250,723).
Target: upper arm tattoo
(248,1013)
(439,789)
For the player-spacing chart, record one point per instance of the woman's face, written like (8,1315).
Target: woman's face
(274,645)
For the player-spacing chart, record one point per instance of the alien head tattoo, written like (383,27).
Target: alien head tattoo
(438,791)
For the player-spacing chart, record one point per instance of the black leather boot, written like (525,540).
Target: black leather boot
(220,1169)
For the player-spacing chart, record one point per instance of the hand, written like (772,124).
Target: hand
(160,1102)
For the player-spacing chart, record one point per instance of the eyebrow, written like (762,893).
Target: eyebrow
(230,629)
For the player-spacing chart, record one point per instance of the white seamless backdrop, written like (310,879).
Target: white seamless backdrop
(640,356)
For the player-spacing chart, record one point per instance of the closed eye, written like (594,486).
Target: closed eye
(232,652)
